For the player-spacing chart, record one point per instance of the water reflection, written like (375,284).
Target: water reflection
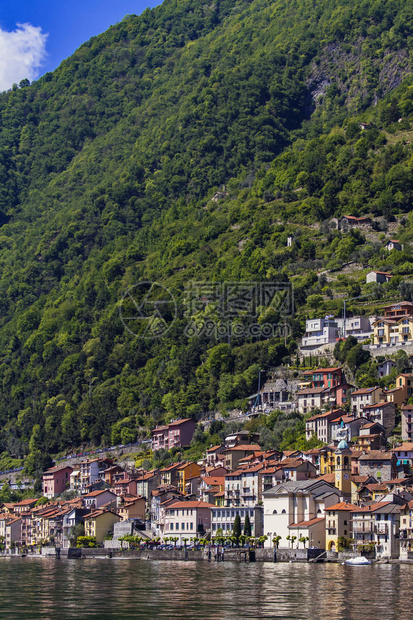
(73,589)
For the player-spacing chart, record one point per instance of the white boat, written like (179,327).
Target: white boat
(361,561)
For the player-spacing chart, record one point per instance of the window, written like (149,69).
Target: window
(183,526)
(171,527)
(191,526)
(283,512)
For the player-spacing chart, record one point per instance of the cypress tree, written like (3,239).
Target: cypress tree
(236,532)
(247,526)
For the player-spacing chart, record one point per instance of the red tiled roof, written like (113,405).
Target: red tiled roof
(96,493)
(377,405)
(307,523)
(342,506)
(27,502)
(178,422)
(317,390)
(213,481)
(331,369)
(372,508)
(365,391)
(327,477)
(57,468)
(376,455)
(245,447)
(405,447)
(191,504)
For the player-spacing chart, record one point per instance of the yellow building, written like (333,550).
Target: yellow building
(342,468)
(185,472)
(338,524)
(405,382)
(327,460)
(99,523)
(393,331)
(130,507)
(405,326)
(385,331)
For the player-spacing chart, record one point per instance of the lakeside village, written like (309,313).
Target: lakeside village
(351,495)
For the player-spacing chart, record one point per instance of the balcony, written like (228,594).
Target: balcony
(363,528)
(381,529)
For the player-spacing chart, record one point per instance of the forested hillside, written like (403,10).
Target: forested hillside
(108,166)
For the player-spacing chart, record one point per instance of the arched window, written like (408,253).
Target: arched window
(283,512)
(346,460)
(274,512)
(338,461)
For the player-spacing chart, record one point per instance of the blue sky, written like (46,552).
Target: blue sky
(51,30)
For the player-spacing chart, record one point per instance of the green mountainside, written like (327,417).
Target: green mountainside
(108,166)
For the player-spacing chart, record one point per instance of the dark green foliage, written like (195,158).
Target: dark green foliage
(247,526)
(107,168)
(236,532)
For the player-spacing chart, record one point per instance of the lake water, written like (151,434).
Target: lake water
(64,589)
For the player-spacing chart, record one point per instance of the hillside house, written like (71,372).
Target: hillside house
(319,425)
(407,422)
(347,222)
(319,332)
(381,465)
(378,277)
(398,310)
(56,480)
(177,434)
(384,413)
(361,398)
(393,244)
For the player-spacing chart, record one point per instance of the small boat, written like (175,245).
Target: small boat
(361,561)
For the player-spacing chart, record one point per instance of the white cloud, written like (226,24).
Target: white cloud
(21,54)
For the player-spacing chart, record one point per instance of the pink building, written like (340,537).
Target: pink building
(125,486)
(56,480)
(177,434)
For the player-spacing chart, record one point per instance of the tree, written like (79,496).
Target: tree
(357,356)
(276,540)
(76,531)
(86,541)
(303,539)
(236,532)
(247,526)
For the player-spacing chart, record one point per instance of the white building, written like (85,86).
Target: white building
(294,502)
(319,332)
(186,520)
(361,398)
(223,518)
(357,326)
(378,525)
